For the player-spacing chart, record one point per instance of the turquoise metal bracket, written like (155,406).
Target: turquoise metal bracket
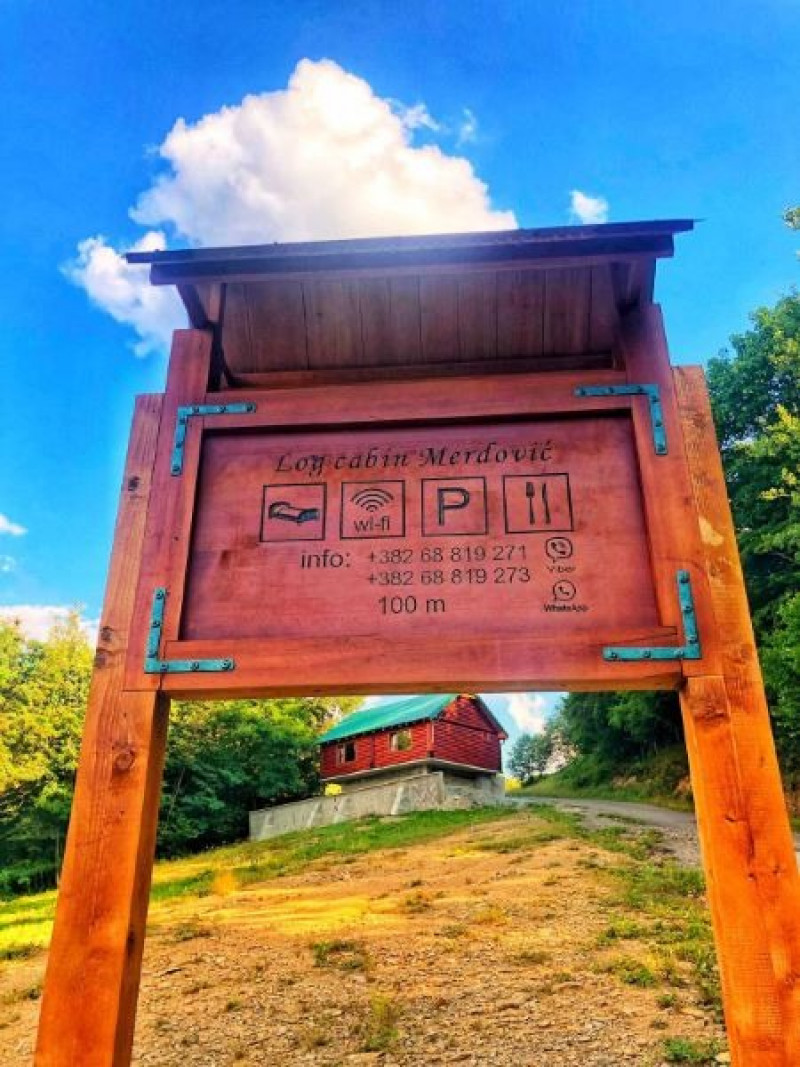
(182,424)
(653,395)
(690,650)
(153,664)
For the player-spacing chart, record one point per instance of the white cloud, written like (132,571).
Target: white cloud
(7,564)
(417,117)
(37,620)
(125,292)
(528,710)
(468,130)
(326,157)
(588,209)
(12,528)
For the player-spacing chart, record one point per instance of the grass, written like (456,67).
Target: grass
(662,908)
(379,1029)
(656,779)
(191,929)
(657,931)
(342,954)
(630,971)
(26,922)
(550,788)
(682,1050)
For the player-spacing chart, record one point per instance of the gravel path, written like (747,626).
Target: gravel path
(678,828)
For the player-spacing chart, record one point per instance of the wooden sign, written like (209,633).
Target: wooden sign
(450,463)
(515,551)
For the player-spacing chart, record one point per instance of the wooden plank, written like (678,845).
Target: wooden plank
(439,317)
(589,362)
(375,311)
(751,999)
(603,313)
(92,977)
(767,858)
(404,665)
(566,311)
(477,316)
(672,528)
(406,319)
(520,313)
(429,400)
(333,323)
(168,527)
(236,334)
(577,254)
(277,328)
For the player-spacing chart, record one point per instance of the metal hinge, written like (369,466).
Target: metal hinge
(653,394)
(153,664)
(690,650)
(181,425)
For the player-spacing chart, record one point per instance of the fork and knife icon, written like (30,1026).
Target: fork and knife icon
(530,493)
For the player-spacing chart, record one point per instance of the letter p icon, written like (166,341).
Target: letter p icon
(450,498)
(452,507)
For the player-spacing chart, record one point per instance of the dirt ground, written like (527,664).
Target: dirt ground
(476,948)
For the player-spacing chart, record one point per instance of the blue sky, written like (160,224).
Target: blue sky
(655,110)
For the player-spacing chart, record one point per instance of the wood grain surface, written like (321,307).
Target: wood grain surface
(92,978)
(754,887)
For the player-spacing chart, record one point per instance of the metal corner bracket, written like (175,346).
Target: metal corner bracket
(182,423)
(653,394)
(690,650)
(153,664)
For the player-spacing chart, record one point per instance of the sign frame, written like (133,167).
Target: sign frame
(366,664)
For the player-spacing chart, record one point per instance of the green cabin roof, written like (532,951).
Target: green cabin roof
(398,713)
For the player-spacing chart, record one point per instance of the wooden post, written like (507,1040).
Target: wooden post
(92,977)
(748,851)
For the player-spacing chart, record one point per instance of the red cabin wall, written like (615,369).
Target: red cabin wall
(464,735)
(373,751)
(457,743)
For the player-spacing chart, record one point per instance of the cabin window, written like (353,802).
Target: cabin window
(346,753)
(400,741)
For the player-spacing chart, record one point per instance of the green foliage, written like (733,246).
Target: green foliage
(226,759)
(223,759)
(379,1030)
(43,691)
(530,755)
(755,394)
(615,732)
(756,397)
(684,1050)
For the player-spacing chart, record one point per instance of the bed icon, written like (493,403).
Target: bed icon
(283,509)
(293,512)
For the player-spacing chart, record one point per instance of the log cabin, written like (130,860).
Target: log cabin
(450,732)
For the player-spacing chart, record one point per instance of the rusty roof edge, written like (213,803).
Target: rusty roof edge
(515,243)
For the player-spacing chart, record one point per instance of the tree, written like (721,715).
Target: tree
(223,759)
(755,390)
(530,755)
(43,691)
(227,759)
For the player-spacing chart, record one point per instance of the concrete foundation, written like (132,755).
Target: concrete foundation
(413,792)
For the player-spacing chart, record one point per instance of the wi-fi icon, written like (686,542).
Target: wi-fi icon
(372,498)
